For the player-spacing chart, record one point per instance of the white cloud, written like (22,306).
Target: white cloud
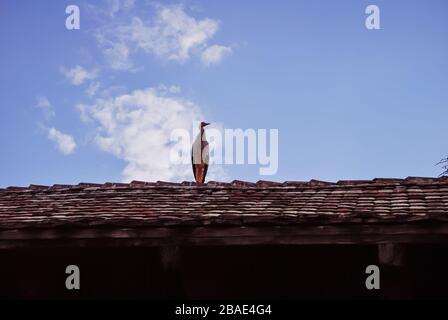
(214,54)
(163,89)
(45,106)
(64,142)
(115,6)
(172,35)
(117,56)
(137,127)
(174,89)
(78,75)
(93,88)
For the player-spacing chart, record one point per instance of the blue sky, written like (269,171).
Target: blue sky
(349,103)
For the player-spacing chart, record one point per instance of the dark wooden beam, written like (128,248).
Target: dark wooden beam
(392,254)
(254,235)
(396,276)
(170,261)
(169,257)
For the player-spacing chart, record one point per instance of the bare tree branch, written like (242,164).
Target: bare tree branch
(444,163)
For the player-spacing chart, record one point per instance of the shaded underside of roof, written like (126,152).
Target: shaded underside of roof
(238,204)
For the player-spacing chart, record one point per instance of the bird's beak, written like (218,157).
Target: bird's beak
(206,124)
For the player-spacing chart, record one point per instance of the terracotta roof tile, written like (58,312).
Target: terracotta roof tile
(140,203)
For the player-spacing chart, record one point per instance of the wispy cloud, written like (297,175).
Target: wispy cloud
(45,106)
(93,88)
(115,6)
(214,54)
(65,143)
(78,75)
(171,35)
(116,54)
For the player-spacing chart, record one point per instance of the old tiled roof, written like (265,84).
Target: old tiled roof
(162,204)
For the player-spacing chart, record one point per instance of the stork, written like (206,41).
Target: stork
(200,155)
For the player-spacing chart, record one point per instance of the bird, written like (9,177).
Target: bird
(200,155)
